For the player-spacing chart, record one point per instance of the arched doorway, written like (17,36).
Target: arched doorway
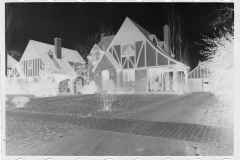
(64,86)
(78,84)
(104,78)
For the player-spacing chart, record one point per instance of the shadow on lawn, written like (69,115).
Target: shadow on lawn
(91,105)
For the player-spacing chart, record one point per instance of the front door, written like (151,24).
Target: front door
(78,85)
(104,77)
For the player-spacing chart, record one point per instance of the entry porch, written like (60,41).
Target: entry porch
(167,79)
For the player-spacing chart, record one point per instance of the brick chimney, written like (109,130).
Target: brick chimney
(58,47)
(166,30)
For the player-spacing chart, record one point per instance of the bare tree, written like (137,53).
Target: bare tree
(219,16)
(8,30)
(8,24)
(85,48)
(96,37)
(14,53)
(178,43)
(219,52)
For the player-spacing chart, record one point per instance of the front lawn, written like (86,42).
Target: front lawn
(92,105)
(219,114)
(22,133)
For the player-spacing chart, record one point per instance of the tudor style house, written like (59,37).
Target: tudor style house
(136,61)
(60,62)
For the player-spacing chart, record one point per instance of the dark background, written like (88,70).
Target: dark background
(74,22)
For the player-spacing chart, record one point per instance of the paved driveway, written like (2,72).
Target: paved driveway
(185,109)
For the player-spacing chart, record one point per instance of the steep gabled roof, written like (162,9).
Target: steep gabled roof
(147,35)
(94,48)
(161,49)
(105,42)
(10,61)
(67,55)
(110,58)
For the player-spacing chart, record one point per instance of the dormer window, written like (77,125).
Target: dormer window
(155,40)
(75,65)
(151,36)
(50,55)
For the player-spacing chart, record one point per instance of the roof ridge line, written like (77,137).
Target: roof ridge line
(51,44)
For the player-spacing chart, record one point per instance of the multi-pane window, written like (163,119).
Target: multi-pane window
(128,49)
(95,56)
(31,67)
(30,64)
(129,76)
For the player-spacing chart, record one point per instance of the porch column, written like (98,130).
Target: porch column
(175,79)
(167,80)
(118,78)
(186,80)
(71,86)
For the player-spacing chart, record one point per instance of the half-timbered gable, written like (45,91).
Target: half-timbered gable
(134,47)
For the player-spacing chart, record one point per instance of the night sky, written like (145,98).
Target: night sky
(74,22)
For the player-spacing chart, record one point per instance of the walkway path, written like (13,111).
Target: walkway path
(172,130)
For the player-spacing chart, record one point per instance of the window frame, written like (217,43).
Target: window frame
(126,55)
(129,72)
(94,55)
(30,65)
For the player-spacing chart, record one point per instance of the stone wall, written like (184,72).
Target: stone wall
(105,64)
(141,80)
(140,84)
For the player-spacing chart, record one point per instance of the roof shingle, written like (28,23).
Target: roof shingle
(105,42)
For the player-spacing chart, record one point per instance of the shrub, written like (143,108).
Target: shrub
(220,62)
(13,86)
(91,88)
(108,96)
(46,85)
(20,101)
